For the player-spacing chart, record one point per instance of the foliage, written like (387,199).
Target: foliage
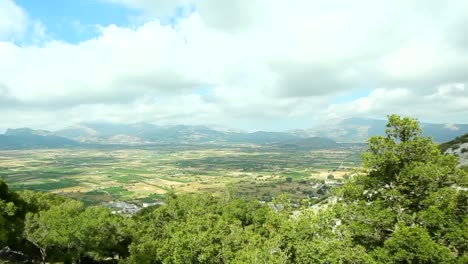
(76,231)
(11,216)
(412,245)
(407,183)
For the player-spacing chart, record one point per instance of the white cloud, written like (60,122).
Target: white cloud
(231,16)
(262,61)
(16,26)
(13,20)
(120,65)
(443,104)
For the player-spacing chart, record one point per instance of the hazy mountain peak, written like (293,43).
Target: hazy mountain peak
(26,131)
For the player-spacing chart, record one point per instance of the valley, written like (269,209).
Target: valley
(147,174)
(143,163)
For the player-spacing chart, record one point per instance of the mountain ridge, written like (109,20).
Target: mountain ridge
(358,130)
(352,130)
(180,134)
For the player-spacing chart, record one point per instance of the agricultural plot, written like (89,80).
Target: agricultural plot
(101,175)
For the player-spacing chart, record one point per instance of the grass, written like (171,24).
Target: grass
(152,198)
(117,191)
(46,185)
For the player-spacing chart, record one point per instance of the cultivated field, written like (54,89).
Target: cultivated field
(100,175)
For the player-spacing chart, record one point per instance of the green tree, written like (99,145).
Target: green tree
(406,181)
(197,229)
(12,211)
(57,227)
(412,245)
(101,234)
(36,201)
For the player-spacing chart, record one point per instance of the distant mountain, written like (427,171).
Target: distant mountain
(181,134)
(27,131)
(147,133)
(77,132)
(444,132)
(352,130)
(107,133)
(25,138)
(360,129)
(143,134)
(119,129)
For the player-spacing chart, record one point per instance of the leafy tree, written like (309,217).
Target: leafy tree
(8,210)
(57,227)
(100,234)
(197,229)
(11,217)
(36,201)
(406,181)
(413,245)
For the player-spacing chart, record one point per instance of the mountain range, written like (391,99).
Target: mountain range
(360,129)
(353,130)
(25,138)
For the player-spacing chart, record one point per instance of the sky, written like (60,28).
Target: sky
(246,64)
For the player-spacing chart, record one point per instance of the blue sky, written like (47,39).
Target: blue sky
(75,21)
(351,96)
(249,64)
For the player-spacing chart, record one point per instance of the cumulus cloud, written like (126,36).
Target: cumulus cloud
(259,61)
(13,20)
(121,64)
(444,104)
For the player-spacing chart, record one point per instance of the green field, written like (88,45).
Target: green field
(100,175)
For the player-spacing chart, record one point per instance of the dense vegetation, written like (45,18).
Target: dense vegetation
(409,205)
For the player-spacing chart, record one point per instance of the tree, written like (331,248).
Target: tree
(11,217)
(100,234)
(198,229)
(412,245)
(406,181)
(36,201)
(57,227)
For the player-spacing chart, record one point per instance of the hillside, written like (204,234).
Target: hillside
(27,138)
(457,146)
